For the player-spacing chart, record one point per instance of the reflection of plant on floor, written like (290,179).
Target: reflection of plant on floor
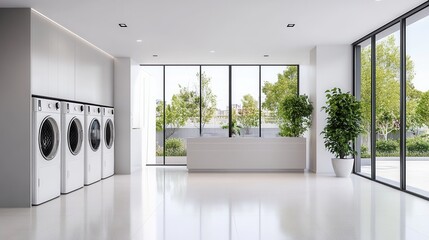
(173,147)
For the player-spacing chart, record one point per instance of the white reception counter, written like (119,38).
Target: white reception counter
(246,154)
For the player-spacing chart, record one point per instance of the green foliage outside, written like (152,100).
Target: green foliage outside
(415,147)
(295,115)
(418,145)
(235,127)
(387,89)
(185,106)
(344,122)
(173,147)
(248,117)
(275,93)
(387,146)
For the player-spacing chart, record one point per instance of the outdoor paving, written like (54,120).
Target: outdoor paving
(417,172)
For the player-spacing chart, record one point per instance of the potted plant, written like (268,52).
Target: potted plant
(295,116)
(344,124)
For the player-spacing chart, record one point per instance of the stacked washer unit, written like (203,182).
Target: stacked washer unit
(46,150)
(92,144)
(108,153)
(73,156)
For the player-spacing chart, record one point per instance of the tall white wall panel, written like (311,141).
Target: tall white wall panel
(66,67)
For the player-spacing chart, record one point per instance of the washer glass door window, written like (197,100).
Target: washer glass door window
(74,136)
(109,133)
(48,138)
(94,134)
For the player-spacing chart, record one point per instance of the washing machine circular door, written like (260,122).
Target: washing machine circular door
(109,133)
(48,138)
(94,135)
(75,136)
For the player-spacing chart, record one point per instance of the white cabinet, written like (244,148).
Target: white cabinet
(66,67)
(44,58)
(246,154)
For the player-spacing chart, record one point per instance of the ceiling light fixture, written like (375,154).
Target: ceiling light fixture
(155,55)
(291,25)
(266,55)
(212,51)
(122,25)
(139,40)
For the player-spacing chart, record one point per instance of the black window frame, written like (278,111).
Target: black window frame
(229,94)
(356,91)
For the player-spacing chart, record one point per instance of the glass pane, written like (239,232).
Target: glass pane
(417,144)
(245,101)
(75,136)
(94,135)
(363,78)
(156,118)
(182,110)
(47,139)
(277,82)
(387,105)
(214,105)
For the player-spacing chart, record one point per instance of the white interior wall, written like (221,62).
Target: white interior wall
(148,119)
(304,88)
(136,132)
(330,66)
(128,153)
(15,105)
(312,147)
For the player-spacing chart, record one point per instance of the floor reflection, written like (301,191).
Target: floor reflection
(171,204)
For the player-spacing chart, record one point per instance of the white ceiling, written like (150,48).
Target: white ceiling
(240,31)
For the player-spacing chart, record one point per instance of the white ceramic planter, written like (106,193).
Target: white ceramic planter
(342,167)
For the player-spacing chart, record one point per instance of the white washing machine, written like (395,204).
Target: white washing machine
(72,150)
(46,150)
(108,146)
(92,144)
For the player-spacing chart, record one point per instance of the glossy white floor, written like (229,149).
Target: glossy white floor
(172,204)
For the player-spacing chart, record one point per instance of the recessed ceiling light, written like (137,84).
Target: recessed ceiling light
(155,55)
(122,25)
(291,25)
(266,55)
(212,51)
(139,40)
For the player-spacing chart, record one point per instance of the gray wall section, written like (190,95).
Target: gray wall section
(15,106)
(122,104)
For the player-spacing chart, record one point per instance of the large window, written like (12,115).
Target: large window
(387,105)
(392,82)
(277,82)
(214,104)
(363,93)
(214,101)
(245,101)
(182,110)
(417,114)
